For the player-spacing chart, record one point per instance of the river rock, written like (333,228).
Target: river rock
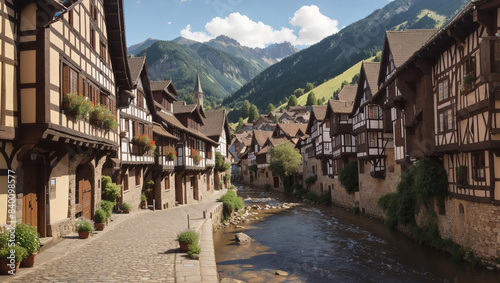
(281,273)
(242,238)
(231,280)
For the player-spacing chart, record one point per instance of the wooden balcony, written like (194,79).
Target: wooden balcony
(490,59)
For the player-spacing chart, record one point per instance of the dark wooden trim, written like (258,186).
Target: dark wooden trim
(473,109)
(42,72)
(470,198)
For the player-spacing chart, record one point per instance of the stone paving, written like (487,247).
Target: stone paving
(139,247)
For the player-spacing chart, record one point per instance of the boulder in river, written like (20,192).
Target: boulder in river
(242,238)
(281,273)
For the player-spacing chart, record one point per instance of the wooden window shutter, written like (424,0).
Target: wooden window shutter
(136,128)
(80,85)
(65,79)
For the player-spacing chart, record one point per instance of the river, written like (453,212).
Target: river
(317,243)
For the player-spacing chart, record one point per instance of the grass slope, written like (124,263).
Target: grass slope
(327,88)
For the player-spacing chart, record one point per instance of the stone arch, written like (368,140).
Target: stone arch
(461,210)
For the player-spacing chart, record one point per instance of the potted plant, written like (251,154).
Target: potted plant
(195,154)
(100,217)
(126,207)
(151,145)
(469,79)
(84,228)
(186,239)
(28,238)
(107,206)
(97,114)
(10,259)
(194,251)
(144,200)
(171,153)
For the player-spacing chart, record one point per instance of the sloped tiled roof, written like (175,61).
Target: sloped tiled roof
(277,141)
(214,122)
(136,64)
(319,112)
(261,136)
(264,150)
(159,85)
(292,129)
(371,72)
(158,129)
(341,107)
(180,108)
(404,43)
(348,93)
(174,122)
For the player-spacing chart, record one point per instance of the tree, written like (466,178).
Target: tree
(344,83)
(355,79)
(285,160)
(245,109)
(276,120)
(254,114)
(298,92)
(292,101)
(308,88)
(336,94)
(270,108)
(323,100)
(311,99)
(188,99)
(240,123)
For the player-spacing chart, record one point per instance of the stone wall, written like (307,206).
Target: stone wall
(217,215)
(132,196)
(371,189)
(165,196)
(264,177)
(476,226)
(203,180)
(340,197)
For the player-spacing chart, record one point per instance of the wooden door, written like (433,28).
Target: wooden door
(276,181)
(196,191)
(208,181)
(84,192)
(179,197)
(33,198)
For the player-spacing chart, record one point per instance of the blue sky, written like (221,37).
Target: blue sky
(254,23)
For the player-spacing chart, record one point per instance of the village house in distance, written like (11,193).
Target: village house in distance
(433,96)
(75,107)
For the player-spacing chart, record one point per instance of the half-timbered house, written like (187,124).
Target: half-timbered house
(137,145)
(166,138)
(9,113)
(319,146)
(71,53)
(216,127)
(259,138)
(338,114)
(374,149)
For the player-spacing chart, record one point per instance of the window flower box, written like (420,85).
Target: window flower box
(76,105)
(171,154)
(102,117)
(195,154)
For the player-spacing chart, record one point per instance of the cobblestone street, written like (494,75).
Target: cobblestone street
(140,247)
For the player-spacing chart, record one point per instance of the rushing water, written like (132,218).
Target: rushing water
(327,244)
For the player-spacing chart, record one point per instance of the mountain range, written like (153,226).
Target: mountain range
(224,65)
(336,53)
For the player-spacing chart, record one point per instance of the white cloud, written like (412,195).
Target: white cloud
(169,23)
(314,26)
(196,36)
(248,32)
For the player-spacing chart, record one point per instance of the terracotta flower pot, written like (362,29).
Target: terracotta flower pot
(6,269)
(143,205)
(184,246)
(29,261)
(100,226)
(84,234)
(126,211)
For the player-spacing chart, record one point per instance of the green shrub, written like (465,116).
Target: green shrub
(143,198)
(232,187)
(100,216)
(312,197)
(27,237)
(231,202)
(194,249)
(267,186)
(4,238)
(348,177)
(311,179)
(325,198)
(227,177)
(110,190)
(107,206)
(126,206)
(188,237)
(20,253)
(355,209)
(475,261)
